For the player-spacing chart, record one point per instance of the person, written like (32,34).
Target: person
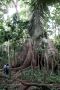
(6,69)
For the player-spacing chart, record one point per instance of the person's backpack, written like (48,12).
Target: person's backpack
(7,69)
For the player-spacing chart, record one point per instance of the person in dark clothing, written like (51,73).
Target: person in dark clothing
(6,88)
(6,69)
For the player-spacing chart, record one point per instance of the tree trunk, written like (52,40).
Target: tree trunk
(14,57)
(36,27)
(8,53)
(52,64)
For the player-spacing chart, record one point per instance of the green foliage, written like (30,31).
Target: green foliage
(56,13)
(53,79)
(4,36)
(17,26)
(30,74)
(3,57)
(36,3)
(57,42)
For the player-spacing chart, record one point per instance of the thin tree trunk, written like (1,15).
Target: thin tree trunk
(41,61)
(38,61)
(47,61)
(8,53)
(14,57)
(52,64)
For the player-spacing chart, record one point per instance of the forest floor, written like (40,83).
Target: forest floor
(32,76)
(38,75)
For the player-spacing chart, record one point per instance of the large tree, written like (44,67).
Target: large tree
(39,10)
(40,44)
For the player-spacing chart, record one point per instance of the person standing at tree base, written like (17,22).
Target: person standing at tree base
(6,70)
